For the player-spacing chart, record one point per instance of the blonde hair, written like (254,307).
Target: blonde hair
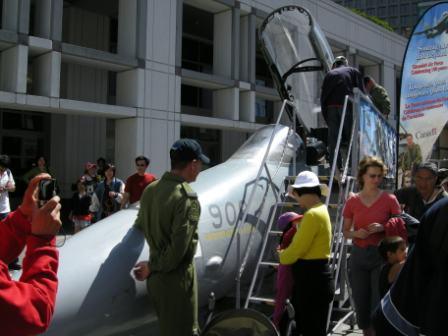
(365,163)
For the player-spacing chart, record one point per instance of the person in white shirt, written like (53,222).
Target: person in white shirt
(7,185)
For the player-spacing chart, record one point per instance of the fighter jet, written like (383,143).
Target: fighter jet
(97,292)
(439,28)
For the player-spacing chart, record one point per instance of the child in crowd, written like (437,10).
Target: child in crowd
(393,250)
(288,224)
(80,215)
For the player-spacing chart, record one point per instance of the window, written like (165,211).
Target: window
(197,39)
(404,9)
(393,10)
(19,121)
(196,101)
(209,139)
(264,111)
(262,73)
(382,12)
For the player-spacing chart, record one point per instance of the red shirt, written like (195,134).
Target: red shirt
(27,305)
(379,212)
(135,184)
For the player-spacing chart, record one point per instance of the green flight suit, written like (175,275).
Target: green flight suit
(168,216)
(411,157)
(380,99)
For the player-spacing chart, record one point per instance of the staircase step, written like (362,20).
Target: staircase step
(269,263)
(259,299)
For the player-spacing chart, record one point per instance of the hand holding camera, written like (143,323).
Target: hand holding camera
(44,220)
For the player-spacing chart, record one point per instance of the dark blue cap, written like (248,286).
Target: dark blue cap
(188,150)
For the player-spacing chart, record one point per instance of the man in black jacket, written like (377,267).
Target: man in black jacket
(338,83)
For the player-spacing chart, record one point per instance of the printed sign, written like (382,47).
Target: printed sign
(424,90)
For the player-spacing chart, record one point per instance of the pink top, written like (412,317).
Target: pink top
(379,212)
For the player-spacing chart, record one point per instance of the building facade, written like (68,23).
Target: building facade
(402,15)
(82,79)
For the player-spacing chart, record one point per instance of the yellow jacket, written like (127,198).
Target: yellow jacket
(312,239)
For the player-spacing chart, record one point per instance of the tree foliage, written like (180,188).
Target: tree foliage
(374,19)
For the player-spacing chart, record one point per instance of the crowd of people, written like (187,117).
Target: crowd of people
(98,193)
(375,221)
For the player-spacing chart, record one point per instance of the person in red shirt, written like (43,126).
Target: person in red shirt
(365,215)
(27,305)
(135,184)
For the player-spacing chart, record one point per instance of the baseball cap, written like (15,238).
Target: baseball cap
(90,165)
(307,179)
(188,150)
(286,218)
(427,165)
(340,60)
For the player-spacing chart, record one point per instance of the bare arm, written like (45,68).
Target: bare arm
(125,200)
(350,234)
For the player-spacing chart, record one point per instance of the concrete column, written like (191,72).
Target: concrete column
(127,27)
(43,18)
(14,65)
(79,139)
(226,103)
(161,32)
(24,16)
(222,44)
(130,88)
(47,74)
(247,106)
(235,66)
(57,8)
(142,27)
(244,49)
(151,137)
(179,25)
(252,24)
(10,15)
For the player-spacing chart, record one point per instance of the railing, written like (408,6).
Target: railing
(250,200)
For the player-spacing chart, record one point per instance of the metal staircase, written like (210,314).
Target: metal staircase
(267,260)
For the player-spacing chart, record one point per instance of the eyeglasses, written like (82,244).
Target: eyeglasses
(372,176)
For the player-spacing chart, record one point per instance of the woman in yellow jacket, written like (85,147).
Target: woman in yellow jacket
(308,254)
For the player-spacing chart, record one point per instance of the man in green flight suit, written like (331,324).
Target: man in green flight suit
(168,216)
(409,159)
(378,94)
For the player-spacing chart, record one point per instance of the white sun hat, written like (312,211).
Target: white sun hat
(307,179)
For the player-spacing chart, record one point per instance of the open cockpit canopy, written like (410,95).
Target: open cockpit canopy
(297,53)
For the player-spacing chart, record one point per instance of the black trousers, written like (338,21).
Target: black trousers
(312,294)
(333,120)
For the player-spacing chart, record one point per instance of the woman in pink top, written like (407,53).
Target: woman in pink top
(365,214)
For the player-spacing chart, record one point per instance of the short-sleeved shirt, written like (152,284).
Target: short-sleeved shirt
(135,184)
(4,195)
(362,216)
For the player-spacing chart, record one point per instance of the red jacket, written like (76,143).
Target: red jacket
(27,305)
